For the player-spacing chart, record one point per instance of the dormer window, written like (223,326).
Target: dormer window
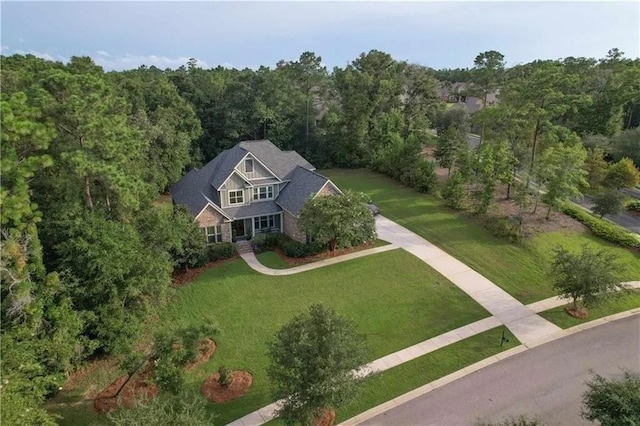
(248,165)
(236,197)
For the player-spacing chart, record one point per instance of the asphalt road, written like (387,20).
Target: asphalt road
(632,223)
(546,382)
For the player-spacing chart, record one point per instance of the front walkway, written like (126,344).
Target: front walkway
(255,264)
(523,322)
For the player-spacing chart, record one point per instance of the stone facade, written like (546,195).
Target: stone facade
(211,217)
(291,227)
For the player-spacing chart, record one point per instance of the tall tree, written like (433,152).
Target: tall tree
(538,91)
(561,172)
(487,76)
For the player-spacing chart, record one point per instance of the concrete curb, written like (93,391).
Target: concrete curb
(479,365)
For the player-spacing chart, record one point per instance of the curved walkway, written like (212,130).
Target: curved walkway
(255,264)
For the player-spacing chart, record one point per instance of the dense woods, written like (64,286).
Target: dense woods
(87,249)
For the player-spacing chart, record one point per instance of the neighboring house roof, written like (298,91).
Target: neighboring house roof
(304,183)
(200,188)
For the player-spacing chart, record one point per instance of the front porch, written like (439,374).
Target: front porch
(247,228)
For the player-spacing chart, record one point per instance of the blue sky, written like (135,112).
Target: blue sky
(121,35)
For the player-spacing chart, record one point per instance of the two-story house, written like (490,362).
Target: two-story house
(251,188)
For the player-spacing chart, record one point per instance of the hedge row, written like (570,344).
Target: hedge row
(600,227)
(289,246)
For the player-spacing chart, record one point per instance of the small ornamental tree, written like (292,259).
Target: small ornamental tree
(608,202)
(172,350)
(613,402)
(342,219)
(585,277)
(315,360)
(453,191)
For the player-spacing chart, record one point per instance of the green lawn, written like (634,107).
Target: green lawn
(272,260)
(394,299)
(411,375)
(619,303)
(521,270)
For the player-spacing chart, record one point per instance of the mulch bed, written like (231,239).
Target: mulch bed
(576,313)
(214,392)
(138,388)
(182,277)
(297,261)
(141,387)
(327,418)
(206,349)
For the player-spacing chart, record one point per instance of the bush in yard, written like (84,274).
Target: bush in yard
(505,227)
(293,248)
(622,174)
(613,402)
(453,191)
(586,277)
(342,219)
(220,251)
(609,202)
(600,227)
(266,241)
(225,377)
(186,409)
(313,359)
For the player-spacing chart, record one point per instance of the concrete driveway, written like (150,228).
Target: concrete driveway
(523,322)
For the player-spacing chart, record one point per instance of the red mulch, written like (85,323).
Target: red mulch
(141,387)
(138,388)
(182,277)
(214,392)
(206,349)
(577,313)
(327,418)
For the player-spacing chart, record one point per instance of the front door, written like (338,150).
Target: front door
(238,230)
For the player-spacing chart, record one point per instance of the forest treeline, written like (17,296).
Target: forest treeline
(87,249)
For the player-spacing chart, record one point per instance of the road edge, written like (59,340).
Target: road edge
(399,400)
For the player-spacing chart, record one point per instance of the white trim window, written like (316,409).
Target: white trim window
(268,223)
(263,193)
(213,234)
(236,197)
(248,165)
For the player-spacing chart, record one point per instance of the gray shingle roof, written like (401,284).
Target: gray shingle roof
(304,183)
(298,159)
(197,186)
(230,160)
(260,208)
(279,162)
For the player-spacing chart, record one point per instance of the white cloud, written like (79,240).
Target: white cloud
(43,55)
(3,48)
(130,61)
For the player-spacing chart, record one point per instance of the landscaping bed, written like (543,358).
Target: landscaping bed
(618,303)
(277,259)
